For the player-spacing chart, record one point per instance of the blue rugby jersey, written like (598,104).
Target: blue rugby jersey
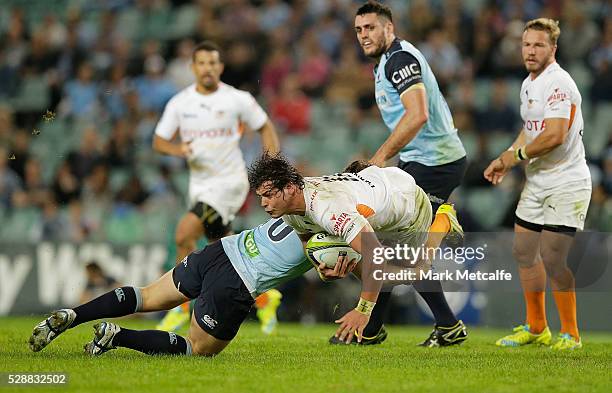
(401,67)
(267,255)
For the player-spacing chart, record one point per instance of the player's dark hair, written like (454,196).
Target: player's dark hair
(276,169)
(357,166)
(374,7)
(93,267)
(207,46)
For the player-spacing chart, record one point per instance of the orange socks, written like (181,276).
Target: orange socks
(441,224)
(536,311)
(533,281)
(565,296)
(262,300)
(566,304)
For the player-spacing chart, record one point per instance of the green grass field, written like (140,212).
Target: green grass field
(298,359)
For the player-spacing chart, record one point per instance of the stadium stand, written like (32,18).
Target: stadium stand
(96,65)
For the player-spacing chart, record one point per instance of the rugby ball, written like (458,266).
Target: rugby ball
(325,248)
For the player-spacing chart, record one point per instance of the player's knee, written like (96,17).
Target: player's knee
(204,348)
(522,255)
(554,259)
(555,268)
(552,253)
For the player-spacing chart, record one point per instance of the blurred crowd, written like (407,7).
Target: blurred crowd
(83,83)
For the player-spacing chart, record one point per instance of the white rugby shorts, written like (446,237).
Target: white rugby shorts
(225,197)
(565,205)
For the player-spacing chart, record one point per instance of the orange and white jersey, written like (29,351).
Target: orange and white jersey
(553,94)
(213,125)
(342,204)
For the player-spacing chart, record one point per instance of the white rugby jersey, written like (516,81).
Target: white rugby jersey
(211,122)
(343,203)
(553,94)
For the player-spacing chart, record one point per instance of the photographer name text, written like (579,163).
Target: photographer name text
(458,275)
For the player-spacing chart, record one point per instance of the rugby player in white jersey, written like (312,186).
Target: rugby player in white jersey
(423,135)
(208,117)
(351,205)
(554,202)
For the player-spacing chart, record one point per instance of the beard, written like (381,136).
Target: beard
(209,83)
(538,66)
(377,53)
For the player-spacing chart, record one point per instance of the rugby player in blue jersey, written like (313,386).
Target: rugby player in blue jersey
(224,278)
(424,136)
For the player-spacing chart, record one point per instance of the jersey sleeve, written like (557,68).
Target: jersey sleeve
(340,218)
(168,124)
(250,111)
(403,70)
(558,99)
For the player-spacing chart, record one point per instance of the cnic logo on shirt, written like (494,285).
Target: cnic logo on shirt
(405,72)
(209,321)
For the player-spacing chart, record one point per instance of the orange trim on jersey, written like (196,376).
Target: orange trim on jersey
(365,210)
(572,113)
(241,128)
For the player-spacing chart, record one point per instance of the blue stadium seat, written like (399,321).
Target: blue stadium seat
(128,23)
(33,94)
(181,181)
(21,224)
(482,93)
(498,142)
(598,131)
(158,220)
(370,135)
(183,22)
(469,139)
(118,177)
(128,227)
(488,205)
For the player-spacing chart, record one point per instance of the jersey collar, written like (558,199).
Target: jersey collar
(551,67)
(394,47)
